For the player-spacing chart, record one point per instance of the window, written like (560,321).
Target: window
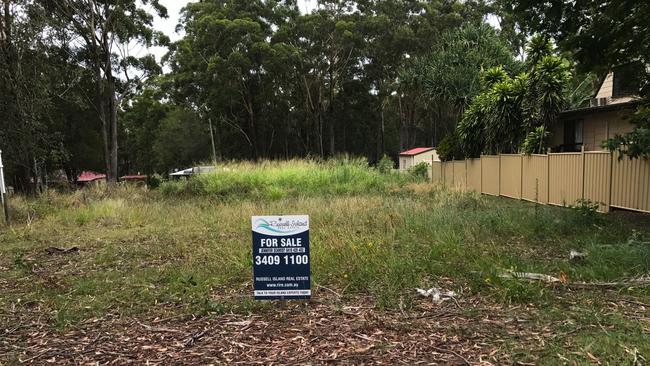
(626,80)
(573,136)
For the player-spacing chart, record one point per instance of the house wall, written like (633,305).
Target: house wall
(406,162)
(597,127)
(607,89)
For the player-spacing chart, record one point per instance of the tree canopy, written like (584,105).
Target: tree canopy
(259,79)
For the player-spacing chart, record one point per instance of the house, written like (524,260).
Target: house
(606,116)
(417,155)
(89,178)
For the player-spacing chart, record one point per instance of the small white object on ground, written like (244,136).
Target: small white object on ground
(575,255)
(437,295)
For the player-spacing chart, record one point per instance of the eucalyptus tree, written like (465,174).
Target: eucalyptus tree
(104,31)
(394,33)
(229,64)
(25,86)
(329,50)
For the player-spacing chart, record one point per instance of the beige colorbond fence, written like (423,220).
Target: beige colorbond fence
(557,179)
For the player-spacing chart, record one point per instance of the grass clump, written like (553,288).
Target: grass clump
(296,178)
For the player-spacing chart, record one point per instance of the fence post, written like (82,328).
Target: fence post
(582,154)
(480,161)
(521,176)
(499,174)
(611,181)
(548,176)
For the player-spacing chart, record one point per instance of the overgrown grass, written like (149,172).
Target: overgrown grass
(273,180)
(372,235)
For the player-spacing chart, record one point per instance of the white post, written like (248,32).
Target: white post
(3,190)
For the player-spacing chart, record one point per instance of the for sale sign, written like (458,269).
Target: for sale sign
(281,257)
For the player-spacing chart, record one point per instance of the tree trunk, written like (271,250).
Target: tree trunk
(112,171)
(381,132)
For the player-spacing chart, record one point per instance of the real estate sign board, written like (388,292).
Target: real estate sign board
(281,257)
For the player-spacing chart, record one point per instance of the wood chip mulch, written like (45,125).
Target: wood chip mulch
(317,332)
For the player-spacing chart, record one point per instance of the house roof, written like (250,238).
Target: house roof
(415,151)
(602,108)
(184,172)
(89,176)
(194,170)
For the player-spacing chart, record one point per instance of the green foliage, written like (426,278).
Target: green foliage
(181,140)
(420,170)
(507,114)
(450,148)
(276,180)
(453,67)
(536,142)
(635,144)
(385,165)
(594,32)
(586,211)
(154,181)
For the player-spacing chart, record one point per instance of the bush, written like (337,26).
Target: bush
(385,165)
(420,170)
(154,181)
(449,148)
(536,142)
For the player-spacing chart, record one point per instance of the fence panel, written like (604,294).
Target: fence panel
(558,179)
(460,175)
(474,174)
(534,185)
(436,172)
(565,174)
(597,178)
(631,184)
(510,176)
(490,174)
(448,173)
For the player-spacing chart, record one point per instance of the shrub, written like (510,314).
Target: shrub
(449,148)
(154,181)
(385,165)
(536,142)
(420,170)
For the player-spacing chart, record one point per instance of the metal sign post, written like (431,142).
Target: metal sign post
(3,191)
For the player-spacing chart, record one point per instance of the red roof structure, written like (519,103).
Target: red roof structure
(134,177)
(416,151)
(88,176)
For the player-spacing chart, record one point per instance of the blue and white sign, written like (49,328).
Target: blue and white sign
(281,257)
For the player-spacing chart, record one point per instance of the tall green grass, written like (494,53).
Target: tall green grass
(274,180)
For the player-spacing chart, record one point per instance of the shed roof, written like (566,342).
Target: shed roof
(134,177)
(88,176)
(416,151)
